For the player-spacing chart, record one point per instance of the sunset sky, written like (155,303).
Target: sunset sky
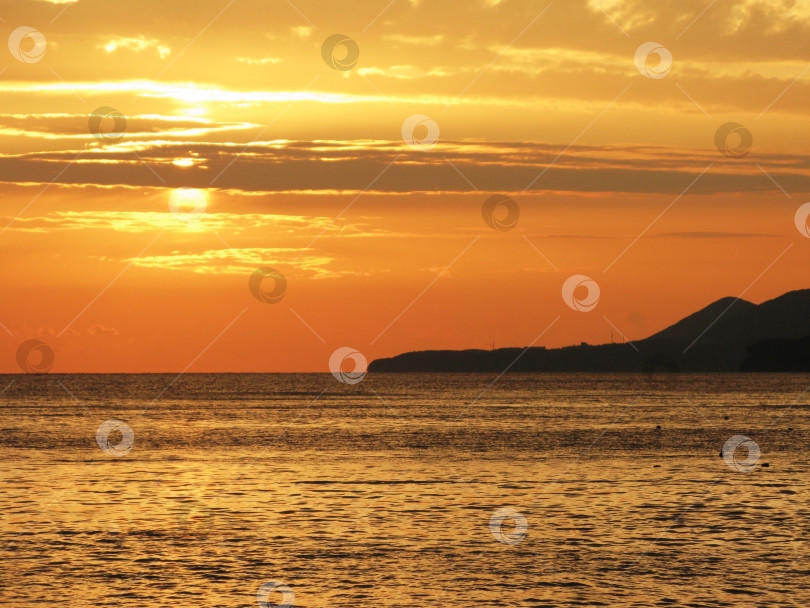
(302,167)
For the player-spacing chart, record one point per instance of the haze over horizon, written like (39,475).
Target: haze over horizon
(384,245)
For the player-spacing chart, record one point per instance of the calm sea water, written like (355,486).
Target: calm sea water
(383,493)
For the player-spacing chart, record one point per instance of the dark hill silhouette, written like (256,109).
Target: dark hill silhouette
(779,355)
(689,328)
(715,338)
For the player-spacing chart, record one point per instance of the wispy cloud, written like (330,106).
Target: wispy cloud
(258,61)
(149,221)
(714,235)
(142,126)
(350,166)
(244,261)
(136,45)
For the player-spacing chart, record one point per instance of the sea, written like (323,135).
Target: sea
(441,490)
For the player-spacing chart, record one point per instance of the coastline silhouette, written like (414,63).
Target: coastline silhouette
(728,335)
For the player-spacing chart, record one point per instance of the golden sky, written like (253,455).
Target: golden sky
(298,157)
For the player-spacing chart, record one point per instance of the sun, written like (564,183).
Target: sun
(188,204)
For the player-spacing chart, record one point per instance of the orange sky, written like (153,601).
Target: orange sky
(303,168)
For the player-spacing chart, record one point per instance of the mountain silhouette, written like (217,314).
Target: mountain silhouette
(730,334)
